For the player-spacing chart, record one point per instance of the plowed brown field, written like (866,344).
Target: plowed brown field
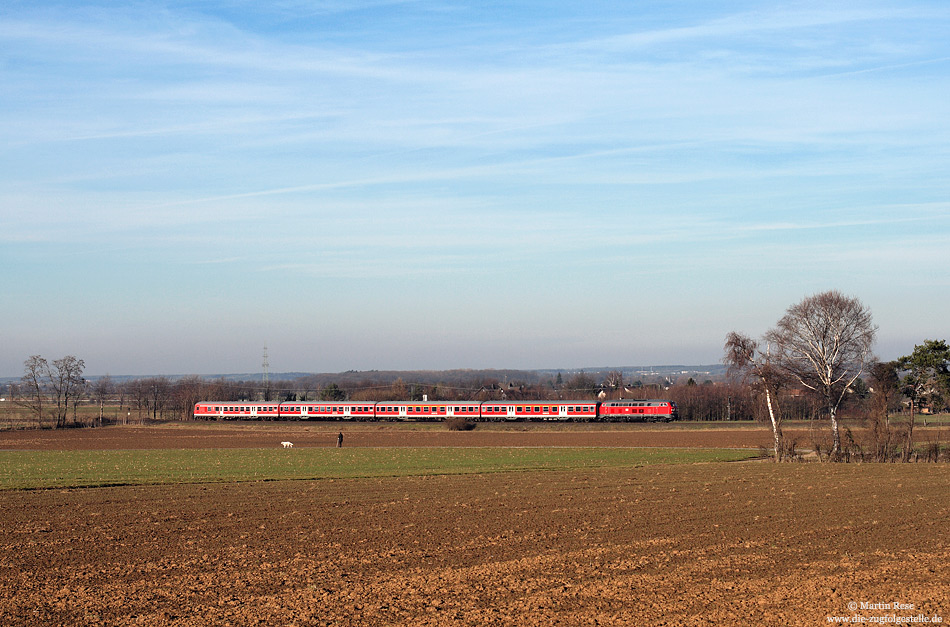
(705,544)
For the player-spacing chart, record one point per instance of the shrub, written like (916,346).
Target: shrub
(457,423)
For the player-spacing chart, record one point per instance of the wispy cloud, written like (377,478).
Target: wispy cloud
(690,149)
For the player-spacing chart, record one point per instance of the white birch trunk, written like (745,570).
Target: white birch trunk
(776,432)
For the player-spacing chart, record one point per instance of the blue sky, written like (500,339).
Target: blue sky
(413,184)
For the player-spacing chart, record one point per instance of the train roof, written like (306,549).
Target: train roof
(541,402)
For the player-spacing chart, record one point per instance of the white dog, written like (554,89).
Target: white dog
(287,444)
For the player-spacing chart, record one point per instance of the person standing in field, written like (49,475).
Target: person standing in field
(339,440)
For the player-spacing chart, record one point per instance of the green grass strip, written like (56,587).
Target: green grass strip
(80,469)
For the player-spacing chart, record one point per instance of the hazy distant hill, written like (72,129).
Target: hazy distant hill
(630,373)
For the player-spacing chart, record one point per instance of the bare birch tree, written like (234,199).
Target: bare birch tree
(33,388)
(67,384)
(825,343)
(101,390)
(746,361)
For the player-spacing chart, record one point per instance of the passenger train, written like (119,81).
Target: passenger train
(653,410)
